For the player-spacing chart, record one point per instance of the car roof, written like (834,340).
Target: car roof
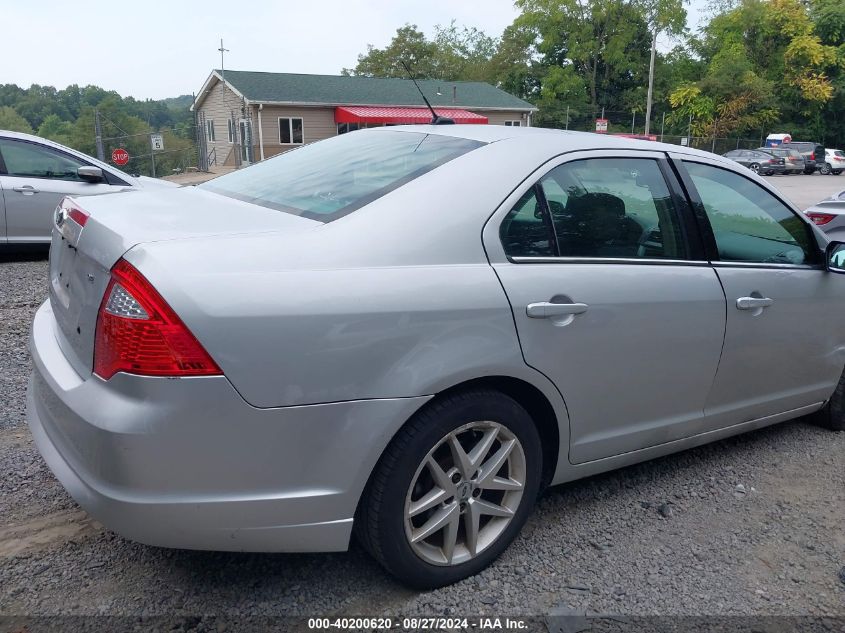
(559,141)
(69,150)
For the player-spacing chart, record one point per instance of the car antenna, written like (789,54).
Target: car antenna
(436,119)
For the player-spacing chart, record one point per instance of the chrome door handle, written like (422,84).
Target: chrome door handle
(25,190)
(752,303)
(545,310)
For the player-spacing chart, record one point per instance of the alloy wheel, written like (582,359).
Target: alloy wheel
(465,493)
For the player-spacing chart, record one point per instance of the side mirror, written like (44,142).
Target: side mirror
(835,257)
(90,174)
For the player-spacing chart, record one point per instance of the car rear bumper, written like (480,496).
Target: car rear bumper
(188,463)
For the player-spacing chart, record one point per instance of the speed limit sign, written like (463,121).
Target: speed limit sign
(157,142)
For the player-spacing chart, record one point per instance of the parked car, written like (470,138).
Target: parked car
(793,161)
(408,332)
(759,161)
(829,215)
(35,174)
(812,153)
(834,162)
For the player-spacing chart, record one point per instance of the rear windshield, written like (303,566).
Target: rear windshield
(332,178)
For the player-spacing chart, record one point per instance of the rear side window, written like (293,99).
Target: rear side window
(329,179)
(748,222)
(526,231)
(613,207)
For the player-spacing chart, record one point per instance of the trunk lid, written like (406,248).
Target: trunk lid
(81,258)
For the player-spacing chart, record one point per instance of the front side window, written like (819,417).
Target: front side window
(748,222)
(209,130)
(28,160)
(327,180)
(613,207)
(290,131)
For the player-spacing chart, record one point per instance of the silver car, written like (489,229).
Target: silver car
(35,174)
(407,333)
(829,215)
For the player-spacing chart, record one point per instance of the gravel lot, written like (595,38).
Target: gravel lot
(750,525)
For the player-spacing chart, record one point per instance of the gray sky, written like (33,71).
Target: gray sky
(158,49)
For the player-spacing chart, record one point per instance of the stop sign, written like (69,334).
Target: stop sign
(120,156)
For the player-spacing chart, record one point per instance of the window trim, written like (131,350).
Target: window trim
(210,135)
(230,128)
(706,230)
(290,129)
(687,223)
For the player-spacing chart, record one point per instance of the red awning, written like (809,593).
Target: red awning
(378,114)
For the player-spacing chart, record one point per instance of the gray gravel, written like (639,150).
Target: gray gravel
(750,525)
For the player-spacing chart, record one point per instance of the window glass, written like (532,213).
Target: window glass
(290,131)
(749,223)
(209,130)
(525,231)
(613,207)
(37,161)
(231,126)
(329,179)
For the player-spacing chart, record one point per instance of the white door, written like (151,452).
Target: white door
(34,178)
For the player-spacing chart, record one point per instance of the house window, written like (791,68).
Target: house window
(513,123)
(290,130)
(231,130)
(209,130)
(343,128)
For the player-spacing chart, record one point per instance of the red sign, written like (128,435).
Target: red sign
(601,126)
(120,156)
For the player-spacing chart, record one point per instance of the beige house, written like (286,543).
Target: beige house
(249,116)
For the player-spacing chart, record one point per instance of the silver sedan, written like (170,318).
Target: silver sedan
(407,333)
(35,174)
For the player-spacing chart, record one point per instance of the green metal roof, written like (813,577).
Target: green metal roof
(339,90)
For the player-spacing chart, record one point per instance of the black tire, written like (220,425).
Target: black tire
(824,169)
(832,415)
(836,172)
(380,521)
(808,172)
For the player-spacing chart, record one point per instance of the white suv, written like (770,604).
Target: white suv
(834,162)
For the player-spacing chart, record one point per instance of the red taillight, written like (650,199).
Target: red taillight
(820,218)
(812,156)
(78,215)
(138,333)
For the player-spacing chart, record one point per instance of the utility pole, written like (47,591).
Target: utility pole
(662,126)
(650,82)
(567,117)
(153,159)
(634,120)
(98,133)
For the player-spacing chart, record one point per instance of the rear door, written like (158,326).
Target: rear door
(785,331)
(34,179)
(611,297)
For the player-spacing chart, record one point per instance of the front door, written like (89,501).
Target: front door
(785,336)
(612,300)
(34,180)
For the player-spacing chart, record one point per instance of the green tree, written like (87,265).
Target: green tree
(605,43)
(11,120)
